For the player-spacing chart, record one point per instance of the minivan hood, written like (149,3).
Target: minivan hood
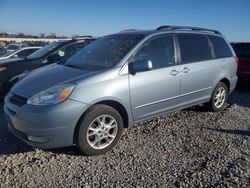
(47,77)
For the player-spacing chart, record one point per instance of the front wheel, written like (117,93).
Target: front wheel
(100,130)
(218,100)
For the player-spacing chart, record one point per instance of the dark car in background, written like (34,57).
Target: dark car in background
(14,69)
(242,51)
(3,51)
(15,46)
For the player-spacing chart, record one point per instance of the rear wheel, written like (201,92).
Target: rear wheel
(219,98)
(100,130)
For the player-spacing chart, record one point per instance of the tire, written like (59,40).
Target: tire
(215,106)
(99,130)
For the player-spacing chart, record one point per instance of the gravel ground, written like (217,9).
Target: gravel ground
(189,148)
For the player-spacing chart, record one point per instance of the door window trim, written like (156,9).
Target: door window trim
(179,49)
(125,69)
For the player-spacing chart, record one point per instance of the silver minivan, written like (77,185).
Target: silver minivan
(117,81)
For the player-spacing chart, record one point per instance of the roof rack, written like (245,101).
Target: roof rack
(130,30)
(83,37)
(172,27)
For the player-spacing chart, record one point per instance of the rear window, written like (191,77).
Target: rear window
(242,50)
(194,47)
(221,48)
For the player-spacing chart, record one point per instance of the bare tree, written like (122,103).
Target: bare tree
(42,35)
(52,35)
(21,35)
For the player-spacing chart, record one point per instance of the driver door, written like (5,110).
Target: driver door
(155,91)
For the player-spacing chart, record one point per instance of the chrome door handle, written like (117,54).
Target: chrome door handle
(185,70)
(174,72)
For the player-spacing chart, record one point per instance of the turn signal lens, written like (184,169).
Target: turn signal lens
(64,94)
(236,59)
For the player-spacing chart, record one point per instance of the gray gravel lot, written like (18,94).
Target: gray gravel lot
(189,148)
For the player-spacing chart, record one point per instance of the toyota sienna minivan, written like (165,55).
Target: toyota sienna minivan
(117,81)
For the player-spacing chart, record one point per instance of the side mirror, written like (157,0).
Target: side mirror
(53,58)
(141,66)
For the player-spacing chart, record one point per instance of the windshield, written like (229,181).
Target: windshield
(104,52)
(42,51)
(12,47)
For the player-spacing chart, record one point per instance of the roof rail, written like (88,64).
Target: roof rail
(129,30)
(83,37)
(172,27)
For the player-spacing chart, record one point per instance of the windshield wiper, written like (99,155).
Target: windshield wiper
(69,65)
(61,62)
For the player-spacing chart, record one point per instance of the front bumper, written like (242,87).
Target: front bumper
(44,126)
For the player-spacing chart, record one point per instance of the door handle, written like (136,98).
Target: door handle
(174,72)
(185,70)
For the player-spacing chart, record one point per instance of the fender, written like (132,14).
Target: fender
(9,84)
(19,76)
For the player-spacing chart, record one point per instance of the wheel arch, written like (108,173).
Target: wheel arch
(120,108)
(226,82)
(112,103)
(221,78)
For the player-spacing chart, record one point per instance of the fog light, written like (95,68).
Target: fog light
(39,139)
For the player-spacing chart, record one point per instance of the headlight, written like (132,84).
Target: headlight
(53,95)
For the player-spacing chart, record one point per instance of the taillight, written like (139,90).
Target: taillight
(236,59)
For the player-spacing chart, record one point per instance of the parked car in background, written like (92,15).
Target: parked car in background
(13,69)
(22,53)
(36,43)
(242,50)
(15,46)
(3,51)
(117,81)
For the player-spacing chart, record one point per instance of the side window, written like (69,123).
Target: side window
(221,48)
(159,50)
(25,53)
(21,53)
(194,47)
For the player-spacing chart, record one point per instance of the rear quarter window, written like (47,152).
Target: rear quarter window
(194,47)
(221,48)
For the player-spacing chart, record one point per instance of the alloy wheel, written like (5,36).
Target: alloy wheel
(102,132)
(220,97)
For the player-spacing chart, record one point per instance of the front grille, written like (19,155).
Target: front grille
(18,100)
